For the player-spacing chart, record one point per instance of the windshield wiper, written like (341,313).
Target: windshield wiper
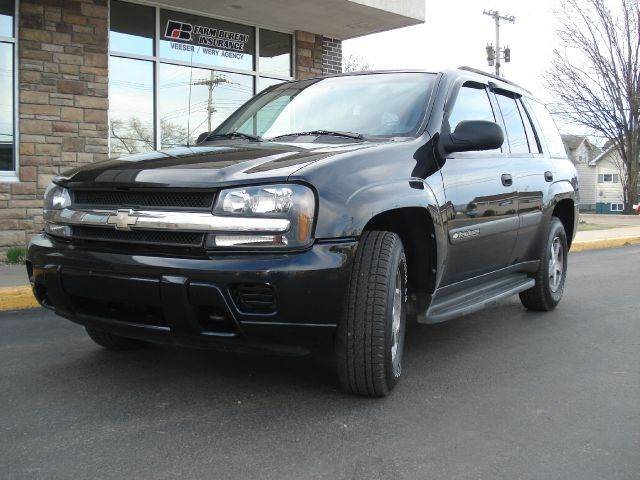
(247,136)
(357,136)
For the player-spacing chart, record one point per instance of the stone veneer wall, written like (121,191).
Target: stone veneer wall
(63,57)
(308,55)
(317,55)
(331,56)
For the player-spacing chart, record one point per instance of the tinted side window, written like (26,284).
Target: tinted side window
(532,137)
(513,123)
(549,129)
(472,103)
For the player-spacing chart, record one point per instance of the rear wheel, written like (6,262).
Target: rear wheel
(370,336)
(552,272)
(114,342)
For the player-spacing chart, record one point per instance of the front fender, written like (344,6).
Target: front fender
(349,217)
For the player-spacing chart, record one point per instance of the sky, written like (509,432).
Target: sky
(456,33)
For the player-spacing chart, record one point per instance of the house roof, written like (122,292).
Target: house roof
(573,142)
(603,154)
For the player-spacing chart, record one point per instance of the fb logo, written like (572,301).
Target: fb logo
(178,31)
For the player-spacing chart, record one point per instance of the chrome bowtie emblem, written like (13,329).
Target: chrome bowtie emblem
(123,220)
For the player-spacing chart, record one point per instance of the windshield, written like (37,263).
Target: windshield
(386,104)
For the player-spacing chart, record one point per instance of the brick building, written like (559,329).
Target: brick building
(83,80)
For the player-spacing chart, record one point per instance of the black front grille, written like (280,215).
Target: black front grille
(254,298)
(177,239)
(123,198)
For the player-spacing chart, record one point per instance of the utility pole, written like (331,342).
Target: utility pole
(212,83)
(498,54)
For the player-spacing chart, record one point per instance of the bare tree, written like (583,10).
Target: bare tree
(595,74)
(355,63)
(135,136)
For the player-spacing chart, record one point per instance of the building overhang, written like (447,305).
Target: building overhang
(341,19)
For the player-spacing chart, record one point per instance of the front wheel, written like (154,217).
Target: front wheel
(370,336)
(552,272)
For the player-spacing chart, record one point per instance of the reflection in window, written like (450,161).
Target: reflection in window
(472,103)
(275,53)
(206,41)
(131,123)
(375,105)
(513,122)
(7,7)
(6,106)
(267,82)
(132,28)
(195,100)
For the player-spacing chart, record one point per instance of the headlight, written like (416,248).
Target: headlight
(56,198)
(292,202)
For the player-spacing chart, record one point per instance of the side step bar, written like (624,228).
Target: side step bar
(475,298)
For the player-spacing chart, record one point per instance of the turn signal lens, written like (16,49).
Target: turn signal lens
(57,230)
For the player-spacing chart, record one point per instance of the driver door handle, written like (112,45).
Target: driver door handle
(507,179)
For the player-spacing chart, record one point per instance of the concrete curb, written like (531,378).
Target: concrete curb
(20,298)
(17,298)
(604,243)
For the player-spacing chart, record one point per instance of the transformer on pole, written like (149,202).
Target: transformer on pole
(495,54)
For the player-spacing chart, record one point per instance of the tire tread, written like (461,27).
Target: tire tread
(360,343)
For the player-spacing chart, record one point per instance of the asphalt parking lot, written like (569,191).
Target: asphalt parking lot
(500,394)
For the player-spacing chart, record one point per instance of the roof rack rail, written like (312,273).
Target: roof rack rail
(490,75)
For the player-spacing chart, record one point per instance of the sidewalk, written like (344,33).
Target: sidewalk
(13,275)
(612,237)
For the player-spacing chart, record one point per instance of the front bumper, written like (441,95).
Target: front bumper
(195,301)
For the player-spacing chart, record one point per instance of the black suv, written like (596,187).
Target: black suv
(324,211)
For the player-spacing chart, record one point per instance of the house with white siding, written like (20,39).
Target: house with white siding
(598,174)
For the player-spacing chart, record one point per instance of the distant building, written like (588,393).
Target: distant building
(598,174)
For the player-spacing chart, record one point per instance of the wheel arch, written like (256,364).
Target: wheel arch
(416,228)
(565,211)
(563,205)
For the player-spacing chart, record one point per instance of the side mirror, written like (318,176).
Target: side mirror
(473,135)
(202,137)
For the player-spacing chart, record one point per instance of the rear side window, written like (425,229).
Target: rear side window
(549,129)
(472,103)
(532,138)
(513,123)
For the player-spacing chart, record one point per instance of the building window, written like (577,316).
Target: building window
(196,100)
(275,53)
(132,28)
(617,207)
(175,75)
(608,178)
(131,106)
(8,162)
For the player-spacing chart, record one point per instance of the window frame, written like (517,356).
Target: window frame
(619,207)
(522,107)
(615,178)
(12,176)
(157,59)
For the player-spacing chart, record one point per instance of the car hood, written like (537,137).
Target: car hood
(207,166)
